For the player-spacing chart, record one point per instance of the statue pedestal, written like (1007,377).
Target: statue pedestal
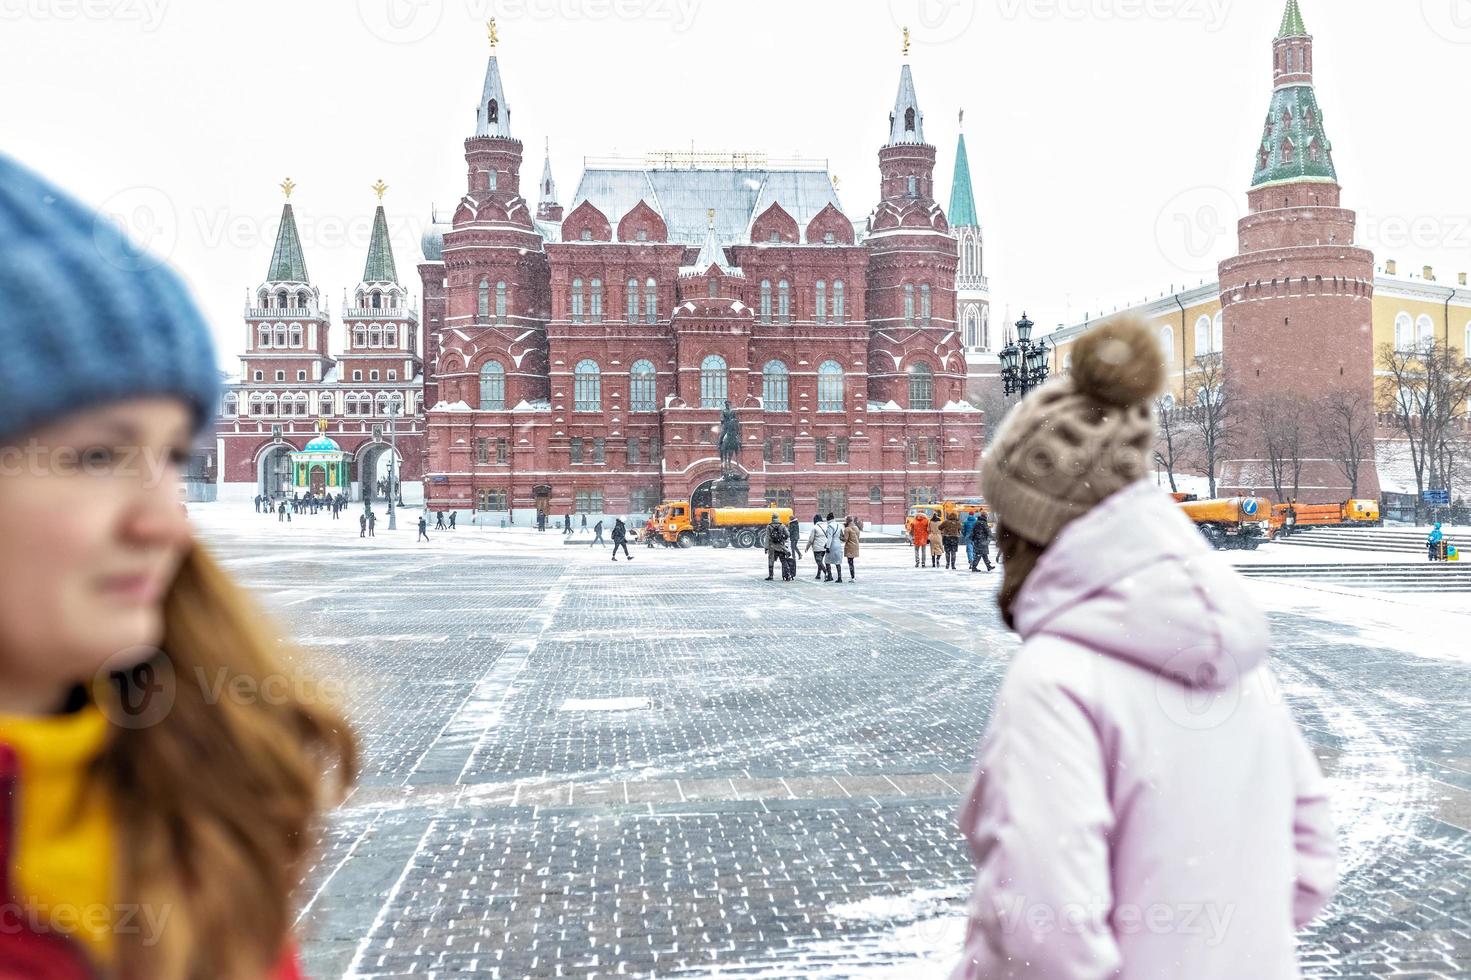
(731,490)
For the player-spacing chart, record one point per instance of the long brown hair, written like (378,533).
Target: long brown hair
(217,801)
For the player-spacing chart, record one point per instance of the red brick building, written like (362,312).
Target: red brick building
(577,358)
(290,379)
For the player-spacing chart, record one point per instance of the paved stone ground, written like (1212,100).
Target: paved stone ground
(675,768)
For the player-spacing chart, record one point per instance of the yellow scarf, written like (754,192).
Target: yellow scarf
(61,859)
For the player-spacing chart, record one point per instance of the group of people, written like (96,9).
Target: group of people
(942,535)
(288,505)
(829,542)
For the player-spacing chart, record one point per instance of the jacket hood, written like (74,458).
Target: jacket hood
(1134,579)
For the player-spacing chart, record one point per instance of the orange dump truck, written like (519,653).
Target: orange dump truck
(1231,523)
(683,525)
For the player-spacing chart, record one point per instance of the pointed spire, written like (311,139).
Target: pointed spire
(906,122)
(962,211)
(710,251)
(548,185)
(493,114)
(1292,24)
(380,267)
(287,262)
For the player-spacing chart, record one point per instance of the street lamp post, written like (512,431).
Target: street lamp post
(392,458)
(1023,362)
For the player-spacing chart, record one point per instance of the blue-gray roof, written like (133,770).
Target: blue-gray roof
(684,196)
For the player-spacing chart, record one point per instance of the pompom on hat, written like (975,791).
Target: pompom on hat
(86,317)
(1080,438)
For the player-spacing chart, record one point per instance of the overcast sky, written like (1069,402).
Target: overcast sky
(1111,141)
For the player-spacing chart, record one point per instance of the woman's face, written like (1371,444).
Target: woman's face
(91,536)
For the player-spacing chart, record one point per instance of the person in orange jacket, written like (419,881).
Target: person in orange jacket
(919,531)
(161,778)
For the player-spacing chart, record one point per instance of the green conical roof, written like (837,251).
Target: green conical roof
(287,262)
(1294,144)
(380,266)
(1292,25)
(962,212)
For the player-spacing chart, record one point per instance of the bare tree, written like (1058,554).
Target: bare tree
(1172,443)
(1426,388)
(1212,418)
(1344,424)
(1282,422)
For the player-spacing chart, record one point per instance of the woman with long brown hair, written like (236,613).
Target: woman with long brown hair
(161,775)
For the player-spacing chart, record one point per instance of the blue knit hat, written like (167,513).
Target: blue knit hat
(86,317)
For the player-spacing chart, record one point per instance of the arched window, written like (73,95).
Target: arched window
(324,404)
(821,304)
(588,387)
(712,287)
(1167,344)
(232,405)
(500,302)
(838,310)
(587,234)
(985,328)
(913,187)
(268,404)
(1218,333)
(281,300)
(970,327)
(360,336)
(908,304)
(383,403)
(830,387)
(765,300)
(492,387)
(396,402)
(377,302)
(632,289)
(775,387)
(264,337)
(482,306)
(921,387)
(1425,331)
(1404,332)
(257,402)
(909,120)
(783,302)
(651,300)
(295,334)
(1203,336)
(280,335)
(375,335)
(577,298)
(492,111)
(924,304)
(595,302)
(642,387)
(713,382)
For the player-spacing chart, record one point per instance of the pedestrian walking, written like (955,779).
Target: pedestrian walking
(597,534)
(950,538)
(834,548)
(967,529)
(980,543)
(423,529)
(362,525)
(817,543)
(439,520)
(620,539)
(373,524)
(937,541)
(452,519)
(1434,543)
(919,531)
(776,549)
(851,534)
(1101,791)
(128,790)
(584,521)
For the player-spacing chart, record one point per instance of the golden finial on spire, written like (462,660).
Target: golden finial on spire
(710,217)
(962,118)
(836,182)
(379,188)
(288,185)
(906,42)
(490,33)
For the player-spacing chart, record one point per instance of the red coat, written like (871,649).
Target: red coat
(920,529)
(29,955)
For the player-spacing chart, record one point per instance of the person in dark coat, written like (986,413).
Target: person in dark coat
(950,538)
(620,539)
(372,524)
(439,520)
(423,528)
(776,549)
(452,519)
(980,543)
(362,525)
(597,533)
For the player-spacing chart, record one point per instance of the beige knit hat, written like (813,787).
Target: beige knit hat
(1080,438)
